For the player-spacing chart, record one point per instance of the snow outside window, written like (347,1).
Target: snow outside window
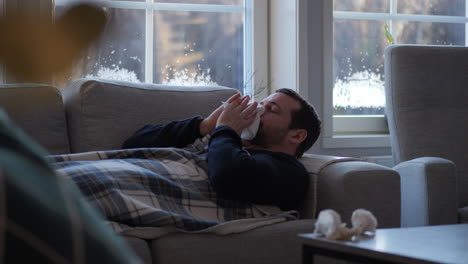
(359,38)
(176,42)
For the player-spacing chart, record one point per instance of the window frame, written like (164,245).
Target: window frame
(255,31)
(356,131)
(288,44)
(256,57)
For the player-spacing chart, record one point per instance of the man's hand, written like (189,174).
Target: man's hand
(239,114)
(209,124)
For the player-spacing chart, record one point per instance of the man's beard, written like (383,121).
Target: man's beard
(265,139)
(258,139)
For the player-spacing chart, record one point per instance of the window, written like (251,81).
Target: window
(177,42)
(361,29)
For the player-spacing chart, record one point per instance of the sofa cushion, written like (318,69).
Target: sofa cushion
(38,110)
(276,243)
(102,113)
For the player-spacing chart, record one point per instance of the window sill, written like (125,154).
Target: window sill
(356,141)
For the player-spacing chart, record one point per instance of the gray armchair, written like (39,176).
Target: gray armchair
(427,110)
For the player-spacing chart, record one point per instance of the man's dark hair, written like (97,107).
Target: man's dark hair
(304,118)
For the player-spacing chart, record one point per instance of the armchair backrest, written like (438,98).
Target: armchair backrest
(427,105)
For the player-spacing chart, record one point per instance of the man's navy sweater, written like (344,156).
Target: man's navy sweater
(257,176)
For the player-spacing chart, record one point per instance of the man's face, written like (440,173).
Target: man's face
(274,123)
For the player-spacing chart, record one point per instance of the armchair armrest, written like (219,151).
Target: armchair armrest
(347,184)
(428,192)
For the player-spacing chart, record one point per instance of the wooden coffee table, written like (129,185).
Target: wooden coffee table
(414,245)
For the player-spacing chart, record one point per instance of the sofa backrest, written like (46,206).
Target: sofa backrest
(39,111)
(101,114)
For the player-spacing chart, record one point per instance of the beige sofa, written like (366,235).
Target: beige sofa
(93,114)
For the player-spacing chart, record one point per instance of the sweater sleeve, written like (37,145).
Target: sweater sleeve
(173,134)
(263,177)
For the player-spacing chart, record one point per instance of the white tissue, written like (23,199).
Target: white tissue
(329,224)
(249,132)
(364,221)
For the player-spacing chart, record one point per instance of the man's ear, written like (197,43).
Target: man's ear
(296,136)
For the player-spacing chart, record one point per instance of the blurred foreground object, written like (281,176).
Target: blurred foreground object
(33,49)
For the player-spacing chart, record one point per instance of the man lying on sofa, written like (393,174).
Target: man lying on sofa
(263,170)
(196,175)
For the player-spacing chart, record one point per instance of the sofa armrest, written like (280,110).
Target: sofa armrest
(347,184)
(428,192)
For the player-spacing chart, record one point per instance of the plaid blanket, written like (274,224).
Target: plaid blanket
(149,192)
